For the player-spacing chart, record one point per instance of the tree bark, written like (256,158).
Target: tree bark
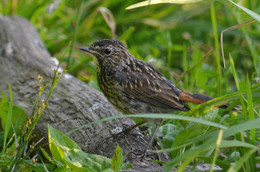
(73,103)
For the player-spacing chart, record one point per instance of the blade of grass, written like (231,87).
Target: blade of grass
(229,29)
(162,116)
(194,66)
(169,53)
(153,2)
(249,12)
(252,47)
(218,142)
(242,127)
(3,100)
(110,20)
(9,118)
(234,73)
(250,109)
(242,160)
(79,13)
(253,51)
(185,65)
(127,33)
(217,56)
(237,143)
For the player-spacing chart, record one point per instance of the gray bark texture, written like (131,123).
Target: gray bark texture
(73,103)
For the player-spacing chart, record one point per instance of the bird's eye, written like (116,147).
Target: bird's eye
(107,51)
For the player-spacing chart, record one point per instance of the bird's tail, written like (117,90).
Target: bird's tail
(200,98)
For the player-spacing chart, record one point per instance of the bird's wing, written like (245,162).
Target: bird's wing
(146,84)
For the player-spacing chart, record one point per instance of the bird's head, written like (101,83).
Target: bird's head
(108,52)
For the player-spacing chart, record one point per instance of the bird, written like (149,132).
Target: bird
(136,87)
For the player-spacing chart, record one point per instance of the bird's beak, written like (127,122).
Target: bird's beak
(89,50)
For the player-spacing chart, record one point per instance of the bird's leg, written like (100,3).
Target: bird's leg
(157,123)
(127,130)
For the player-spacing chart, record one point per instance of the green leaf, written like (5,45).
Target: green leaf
(4,107)
(17,118)
(3,100)
(246,10)
(153,2)
(126,166)
(236,143)
(117,159)
(201,78)
(179,117)
(69,153)
(6,115)
(42,167)
(168,132)
(46,155)
(61,138)
(59,142)
(78,160)
(54,144)
(242,127)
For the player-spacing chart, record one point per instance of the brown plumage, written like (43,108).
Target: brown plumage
(134,86)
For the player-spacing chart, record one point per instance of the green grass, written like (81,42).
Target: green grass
(177,39)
